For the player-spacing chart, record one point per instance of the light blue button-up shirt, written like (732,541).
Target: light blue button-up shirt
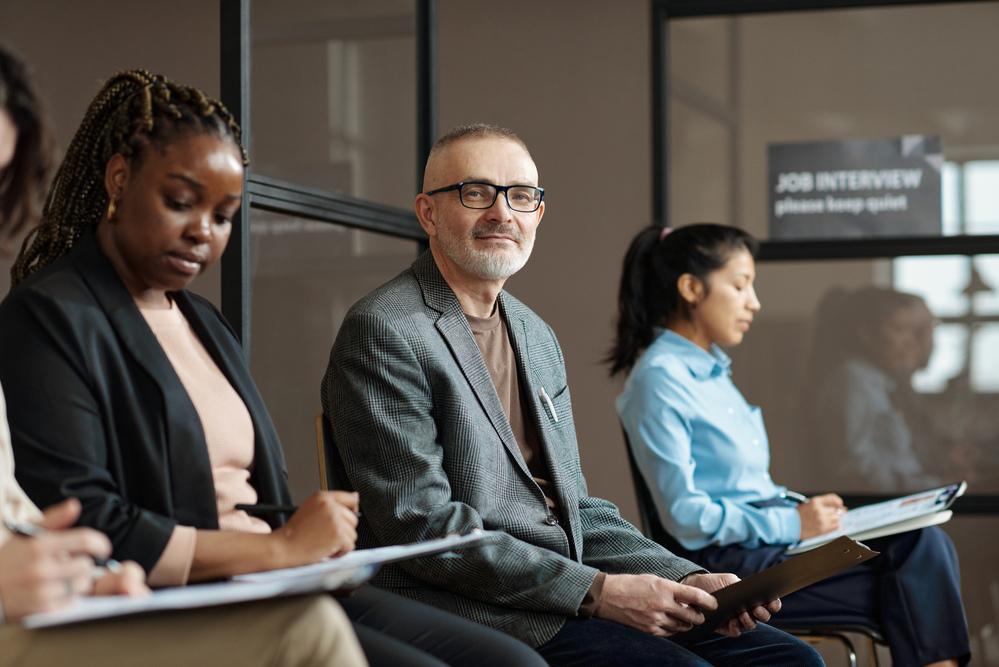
(701,448)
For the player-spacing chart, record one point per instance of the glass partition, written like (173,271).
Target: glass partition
(877,376)
(740,85)
(306,275)
(334,96)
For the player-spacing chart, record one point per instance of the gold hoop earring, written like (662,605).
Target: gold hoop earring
(112,209)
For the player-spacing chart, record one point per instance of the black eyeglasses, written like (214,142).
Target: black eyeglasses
(473,194)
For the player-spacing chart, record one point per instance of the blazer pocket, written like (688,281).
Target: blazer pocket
(555,405)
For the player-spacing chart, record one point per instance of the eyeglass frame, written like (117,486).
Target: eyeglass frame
(505,189)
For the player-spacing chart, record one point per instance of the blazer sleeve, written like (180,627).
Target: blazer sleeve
(58,430)
(615,546)
(610,543)
(379,401)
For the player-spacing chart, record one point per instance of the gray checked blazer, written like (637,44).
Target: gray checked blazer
(422,436)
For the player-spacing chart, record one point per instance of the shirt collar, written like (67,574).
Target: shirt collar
(702,364)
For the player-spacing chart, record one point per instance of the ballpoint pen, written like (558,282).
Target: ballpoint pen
(793,496)
(33,530)
(264,508)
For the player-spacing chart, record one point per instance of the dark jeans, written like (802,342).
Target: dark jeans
(911,592)
(598,643)
(397,632)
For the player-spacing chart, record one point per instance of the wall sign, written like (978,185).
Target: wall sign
(855,188)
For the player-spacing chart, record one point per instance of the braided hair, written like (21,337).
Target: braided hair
(134,109)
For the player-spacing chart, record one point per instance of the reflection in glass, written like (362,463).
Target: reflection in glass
(869,425)
(334,96)
(894,388)
(306,275)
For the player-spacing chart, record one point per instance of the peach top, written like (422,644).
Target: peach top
(228,435)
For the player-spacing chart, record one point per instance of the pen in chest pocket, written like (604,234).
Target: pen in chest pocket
(549,404)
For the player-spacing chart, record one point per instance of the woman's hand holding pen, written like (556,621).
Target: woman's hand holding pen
(49,570)
(820,515)
(324,525)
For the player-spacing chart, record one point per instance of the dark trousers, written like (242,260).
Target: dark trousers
(598,643)
(911,593)
(397,632)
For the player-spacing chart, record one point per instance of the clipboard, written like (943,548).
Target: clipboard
(782,579)
(890,517)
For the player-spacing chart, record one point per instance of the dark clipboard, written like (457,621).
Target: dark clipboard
(782,579)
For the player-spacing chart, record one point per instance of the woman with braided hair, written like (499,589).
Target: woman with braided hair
(51,570)
(132,394)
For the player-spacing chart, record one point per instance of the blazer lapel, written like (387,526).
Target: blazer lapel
(189,461)
(453,327)
(227,355)
(564,488)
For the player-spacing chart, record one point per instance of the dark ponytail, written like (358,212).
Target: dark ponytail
(648,296)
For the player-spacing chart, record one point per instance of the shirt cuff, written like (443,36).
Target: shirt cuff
(591,601)
(789,525)
(174,566)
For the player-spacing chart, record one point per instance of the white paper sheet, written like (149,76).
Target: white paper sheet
(201,595)
(346,571)
(893,516)
(377,556)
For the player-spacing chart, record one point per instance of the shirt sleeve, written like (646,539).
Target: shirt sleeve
(657,415)
(174,566)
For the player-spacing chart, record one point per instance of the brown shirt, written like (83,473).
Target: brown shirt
(493,339)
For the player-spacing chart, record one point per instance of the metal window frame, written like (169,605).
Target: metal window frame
(663,11)
(279,196)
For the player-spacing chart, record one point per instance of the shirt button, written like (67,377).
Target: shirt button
(755,441)
(731,411)
(551,520)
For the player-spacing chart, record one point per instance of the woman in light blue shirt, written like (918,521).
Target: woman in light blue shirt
(704,454)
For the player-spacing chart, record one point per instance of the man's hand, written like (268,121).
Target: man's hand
(820,515)
(46,572)
(324,525)
(746,620)
(652,604)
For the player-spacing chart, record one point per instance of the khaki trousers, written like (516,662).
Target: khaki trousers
(290,632)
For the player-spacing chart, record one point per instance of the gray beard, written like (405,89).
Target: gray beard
(483,264)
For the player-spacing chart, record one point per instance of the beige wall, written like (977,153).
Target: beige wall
(585,114)
(73,47)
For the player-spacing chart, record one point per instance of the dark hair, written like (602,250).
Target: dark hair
(649,297)
(23,181)
(847,320)
(133,110)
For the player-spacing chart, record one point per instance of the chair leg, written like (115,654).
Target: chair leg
(843,639)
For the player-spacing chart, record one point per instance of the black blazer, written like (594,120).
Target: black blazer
(97,411)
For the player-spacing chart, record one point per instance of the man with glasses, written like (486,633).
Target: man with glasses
(449,410)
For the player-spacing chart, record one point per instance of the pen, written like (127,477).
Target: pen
(264,508)
(549,404)
(794,497)
(33,530)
